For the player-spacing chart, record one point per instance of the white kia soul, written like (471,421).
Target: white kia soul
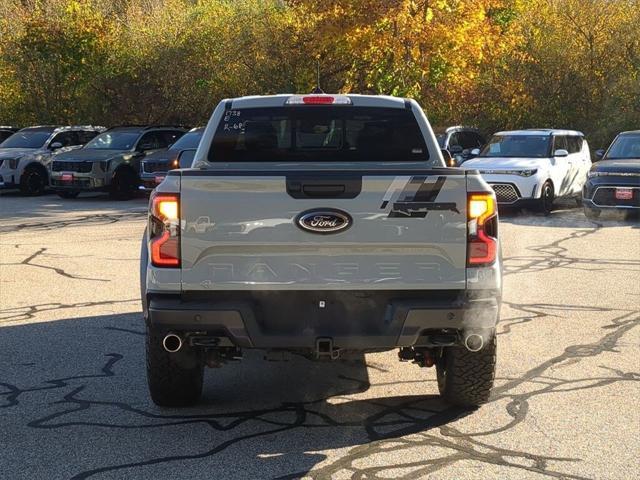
(534,167)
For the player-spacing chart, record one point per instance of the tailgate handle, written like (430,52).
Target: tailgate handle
(324,186)
(323,191)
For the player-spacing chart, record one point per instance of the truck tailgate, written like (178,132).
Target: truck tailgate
(241,230)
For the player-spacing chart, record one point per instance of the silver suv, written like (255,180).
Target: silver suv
(25,156)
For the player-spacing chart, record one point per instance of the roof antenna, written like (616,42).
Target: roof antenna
(317,89)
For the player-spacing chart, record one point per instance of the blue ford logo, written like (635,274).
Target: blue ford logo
(324,220)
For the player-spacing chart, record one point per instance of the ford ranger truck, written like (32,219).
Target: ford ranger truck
(321,225)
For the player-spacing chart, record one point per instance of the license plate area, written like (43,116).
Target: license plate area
(66,177)
(624,194)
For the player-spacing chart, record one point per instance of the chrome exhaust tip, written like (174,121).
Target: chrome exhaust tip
(474,342)
(172,342)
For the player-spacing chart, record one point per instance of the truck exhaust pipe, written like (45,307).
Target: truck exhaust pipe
(474,342)
(172,342)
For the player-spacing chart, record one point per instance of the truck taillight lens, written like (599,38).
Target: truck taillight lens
(482,245)
(164,230)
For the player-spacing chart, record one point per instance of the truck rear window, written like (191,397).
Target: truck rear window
(318,134)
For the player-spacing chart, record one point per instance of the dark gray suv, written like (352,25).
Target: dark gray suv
(155,166)
(111,161)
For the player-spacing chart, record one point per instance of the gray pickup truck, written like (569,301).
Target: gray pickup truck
(324,225)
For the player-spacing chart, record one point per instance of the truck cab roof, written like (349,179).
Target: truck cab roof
(281,100)
(541,131)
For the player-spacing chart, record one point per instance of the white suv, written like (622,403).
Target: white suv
(534,166)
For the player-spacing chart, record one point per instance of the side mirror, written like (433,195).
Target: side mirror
(475,152)
(561,153)
(55,146)
(600,154)
(185,157)
(455,149)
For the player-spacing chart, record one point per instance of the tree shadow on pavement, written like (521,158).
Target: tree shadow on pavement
(76,391)
(16,207)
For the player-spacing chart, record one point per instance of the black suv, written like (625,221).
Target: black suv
(111,161)
(156,165)
(613,182)
(460,142)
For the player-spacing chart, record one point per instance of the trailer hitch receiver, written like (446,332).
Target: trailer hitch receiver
(325,349)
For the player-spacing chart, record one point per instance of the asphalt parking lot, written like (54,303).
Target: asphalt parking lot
(74,401)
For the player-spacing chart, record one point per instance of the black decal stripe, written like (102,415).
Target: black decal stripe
(420,209)
(417,205)
(412,187)
(428,192)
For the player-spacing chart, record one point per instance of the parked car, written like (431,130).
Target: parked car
(614,180)
(534,167)
(25,156)
(155,166)
(6,132)
(111,161)
(321,225)
(460,142)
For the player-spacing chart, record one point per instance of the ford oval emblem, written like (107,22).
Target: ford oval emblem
(324,220)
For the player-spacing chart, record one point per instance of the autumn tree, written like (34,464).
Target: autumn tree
(55,57)
(582,65)
(493,63)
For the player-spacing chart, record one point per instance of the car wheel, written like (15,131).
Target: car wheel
(67,194)
(466,378)
(124,184)
(545,204)
(33,181)
(175,379)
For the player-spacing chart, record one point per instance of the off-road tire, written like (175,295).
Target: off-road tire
(33,181)
(67,194)
(466,378)
(175,379)
(547,197)
(123,185)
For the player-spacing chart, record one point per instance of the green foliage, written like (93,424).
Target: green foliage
(494,63)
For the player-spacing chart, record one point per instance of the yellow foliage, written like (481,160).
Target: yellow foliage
(495,63)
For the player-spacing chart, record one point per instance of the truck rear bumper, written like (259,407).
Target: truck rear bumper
(356,320)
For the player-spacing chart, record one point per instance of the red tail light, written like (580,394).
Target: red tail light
(164,230)
(320,99)
(482,245)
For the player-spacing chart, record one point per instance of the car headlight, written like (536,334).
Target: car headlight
(13,163)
